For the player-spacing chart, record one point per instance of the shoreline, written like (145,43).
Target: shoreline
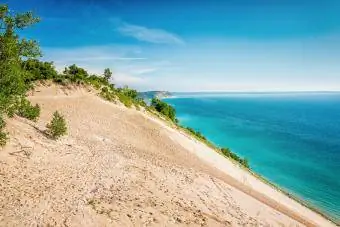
(292,206)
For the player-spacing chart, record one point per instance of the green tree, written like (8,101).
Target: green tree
(12,51)
(75,73)
(107,74)
(164,108)
(38,70)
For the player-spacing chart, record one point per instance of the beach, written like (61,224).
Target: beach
(123,167)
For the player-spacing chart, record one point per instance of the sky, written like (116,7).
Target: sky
(215,45)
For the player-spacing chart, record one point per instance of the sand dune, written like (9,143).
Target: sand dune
(122,167)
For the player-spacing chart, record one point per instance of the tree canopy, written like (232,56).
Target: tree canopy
(164,109)
(107,74)
(12,51)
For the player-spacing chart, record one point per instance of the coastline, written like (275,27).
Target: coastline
(263,144)
(251,182)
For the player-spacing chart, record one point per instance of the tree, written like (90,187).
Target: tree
(164,108)
(12,51)
(75,73)
(107,74)
(38,70)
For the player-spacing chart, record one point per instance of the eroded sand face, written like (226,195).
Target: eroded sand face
(116,167)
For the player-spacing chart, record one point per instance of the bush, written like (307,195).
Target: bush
(28,111)
(3,138)
(57,127)
(2,123)
(164,108)
(196,133)
(125,100)
(228,153)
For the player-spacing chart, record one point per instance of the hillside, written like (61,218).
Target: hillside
(123,167)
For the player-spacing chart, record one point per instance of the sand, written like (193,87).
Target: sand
(123,167)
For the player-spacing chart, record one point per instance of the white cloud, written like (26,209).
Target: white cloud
(127,79)
(149,34)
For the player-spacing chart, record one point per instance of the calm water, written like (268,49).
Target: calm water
(291,139)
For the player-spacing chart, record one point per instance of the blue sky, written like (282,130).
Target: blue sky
(215,45)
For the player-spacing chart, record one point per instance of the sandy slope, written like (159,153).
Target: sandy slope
(119,167)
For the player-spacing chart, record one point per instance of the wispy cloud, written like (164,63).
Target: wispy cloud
(150,35)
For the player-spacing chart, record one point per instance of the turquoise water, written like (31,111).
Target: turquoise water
(292,139)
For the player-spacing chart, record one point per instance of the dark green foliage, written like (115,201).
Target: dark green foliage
(12,50)
(228,153)
(2,123)
(164,108)
(128,92)
(37,70)
(3,135)
(107,74)
(129,96)
(108,94)
(75,73)
(3,138)
(57,127)
(196,133)
(28,111)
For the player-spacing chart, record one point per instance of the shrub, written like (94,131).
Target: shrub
(125,100)
(228,153)
(195,133)
(3,138)
(57,127)
(2,123)
(164,108)
(28,111)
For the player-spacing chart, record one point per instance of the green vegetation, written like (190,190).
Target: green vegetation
(3,135)
(228,153)
(107,74)
(197,134)
(37,70)
(57,127)
(164,108)
(13,76)
(28,111)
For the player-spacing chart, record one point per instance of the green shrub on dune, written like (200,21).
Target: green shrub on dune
(228,153)
(27,110)
(57,127)
(164,108)
(3,135)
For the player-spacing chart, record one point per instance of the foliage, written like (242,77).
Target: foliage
(38,70)
(107,74)
(12,50)
(3,135)
(164,108)
(129,96)
(3,138)
(196,134)
(228,153)
(75,74)
(108,94)
(28,111)
(57,127)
